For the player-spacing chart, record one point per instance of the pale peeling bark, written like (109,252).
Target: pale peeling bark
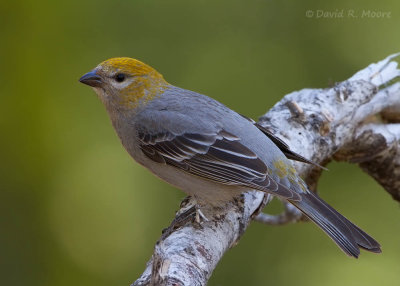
(357,120)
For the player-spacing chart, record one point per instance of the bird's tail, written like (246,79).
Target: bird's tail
(349,237)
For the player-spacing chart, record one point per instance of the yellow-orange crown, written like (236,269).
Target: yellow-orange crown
(130,66)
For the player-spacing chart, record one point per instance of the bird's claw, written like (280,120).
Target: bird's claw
(199,216)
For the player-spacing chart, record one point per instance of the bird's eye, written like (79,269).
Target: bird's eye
(119,77)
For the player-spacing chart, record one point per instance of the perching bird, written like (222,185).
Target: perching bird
(206,149)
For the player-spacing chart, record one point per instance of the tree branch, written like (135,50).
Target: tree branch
(357,120)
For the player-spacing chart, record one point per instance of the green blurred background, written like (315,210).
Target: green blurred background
(76,210)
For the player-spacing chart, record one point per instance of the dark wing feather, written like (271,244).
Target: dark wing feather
(217,157)
(282,145)
(285,148)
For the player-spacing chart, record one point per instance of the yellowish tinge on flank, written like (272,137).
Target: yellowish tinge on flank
(284,170)
(281,168)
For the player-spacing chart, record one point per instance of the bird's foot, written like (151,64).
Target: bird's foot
(188,213)
(200,217)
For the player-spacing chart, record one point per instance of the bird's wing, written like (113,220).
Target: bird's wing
(219,157)
(282,145)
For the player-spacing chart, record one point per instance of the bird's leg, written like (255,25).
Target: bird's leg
(200,216)
(186,213)
(290,215)
(189,212)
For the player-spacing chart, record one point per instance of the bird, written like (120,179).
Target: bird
(206,149)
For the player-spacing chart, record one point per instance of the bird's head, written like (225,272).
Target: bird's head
(125,83)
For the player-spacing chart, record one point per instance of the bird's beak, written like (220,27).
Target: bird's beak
(91,79)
